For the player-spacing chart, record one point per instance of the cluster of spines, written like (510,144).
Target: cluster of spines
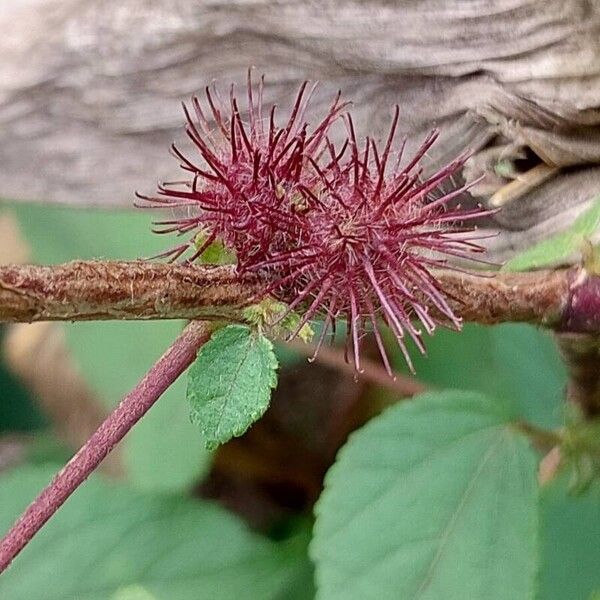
(241,193)
(346,233)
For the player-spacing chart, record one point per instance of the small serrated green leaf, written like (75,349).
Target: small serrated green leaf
(558,247)
(268,315)
(229,384)
(216,253)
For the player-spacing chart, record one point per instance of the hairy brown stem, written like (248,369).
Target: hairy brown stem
(540,297)
(131,409)
(102,290)
(566,300)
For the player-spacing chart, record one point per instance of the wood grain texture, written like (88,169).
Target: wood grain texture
(90,89)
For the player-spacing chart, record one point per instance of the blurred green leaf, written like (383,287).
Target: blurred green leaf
(435,498)
(517,363)
(557,248)
(57,234)
(164,451)
(45,447)
(133,592)
(230,383)
(110,542)
(570,536)
(301,584)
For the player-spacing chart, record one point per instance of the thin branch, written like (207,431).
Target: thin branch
(566,300)
(539,297)
(103,290)
(543,439)
(131,409)
(404,385)
(581,355)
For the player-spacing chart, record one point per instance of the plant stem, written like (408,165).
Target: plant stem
(581,355)
(543,439)
(567,300)
(131,409)
(136,290)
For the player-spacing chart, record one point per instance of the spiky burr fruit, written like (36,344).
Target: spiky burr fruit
(245,175)
(371,234)
(353,233)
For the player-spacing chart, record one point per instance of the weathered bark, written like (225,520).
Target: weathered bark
(90,91)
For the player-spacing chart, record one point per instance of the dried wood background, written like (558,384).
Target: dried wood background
(90,89)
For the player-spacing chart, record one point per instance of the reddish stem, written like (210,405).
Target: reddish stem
(131,409)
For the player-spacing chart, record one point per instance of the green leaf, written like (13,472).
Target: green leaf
(133,592)
(517,363)
(435,498)
(216,253)
(229,384)
(164,451)
(570,535)
(109,542)
(557,248)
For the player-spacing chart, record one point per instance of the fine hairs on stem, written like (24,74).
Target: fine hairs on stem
(131,409)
